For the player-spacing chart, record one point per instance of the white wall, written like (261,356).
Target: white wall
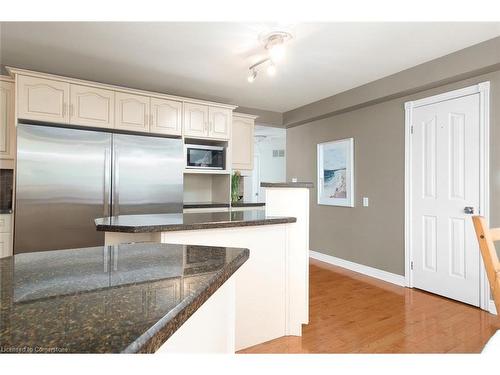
(272,169)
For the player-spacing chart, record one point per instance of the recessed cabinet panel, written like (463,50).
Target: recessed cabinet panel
(242,143)
(195,120)
(5,245)
(43,99)
(91,106)
(166,116)
(7,121)
(5,223)
(132,112)
(220,122)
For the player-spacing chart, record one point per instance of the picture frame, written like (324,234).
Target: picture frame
(335,173)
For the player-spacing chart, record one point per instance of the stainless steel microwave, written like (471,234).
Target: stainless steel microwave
(205,157)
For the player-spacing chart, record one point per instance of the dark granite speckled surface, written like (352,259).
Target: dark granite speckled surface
(222,205)
(187,221)
(127,298)
(308,185)
(205,205)
(248,204)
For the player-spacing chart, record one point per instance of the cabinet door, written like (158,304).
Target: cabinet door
(166,116)
(220,122)
(195,120)
(42,99)
(90,106)
(5,245)
(132,112)
(7,125)
(5,223)
(242,143)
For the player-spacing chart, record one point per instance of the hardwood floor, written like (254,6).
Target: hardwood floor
(353,313)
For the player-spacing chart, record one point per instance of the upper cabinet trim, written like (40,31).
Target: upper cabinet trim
(244,115)
(6,78)
(13,71)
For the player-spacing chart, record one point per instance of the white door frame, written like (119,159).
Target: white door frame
(256,189)
(483,89)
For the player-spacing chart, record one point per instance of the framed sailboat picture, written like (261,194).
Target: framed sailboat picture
(336,173)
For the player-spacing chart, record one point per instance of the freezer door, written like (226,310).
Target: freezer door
(62,185)
(147,175)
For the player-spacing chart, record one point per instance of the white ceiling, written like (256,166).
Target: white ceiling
(211,60)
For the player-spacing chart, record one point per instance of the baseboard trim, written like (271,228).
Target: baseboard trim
(359,268)
(492,308)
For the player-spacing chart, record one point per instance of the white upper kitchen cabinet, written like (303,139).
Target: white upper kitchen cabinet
(42,99)
(132,112)
(91,106)
(195,120)
(219,122)
(7,120)
(52,98)
(242,139)
(166,117)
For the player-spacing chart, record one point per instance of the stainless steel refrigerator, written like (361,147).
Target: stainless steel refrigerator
(66,178)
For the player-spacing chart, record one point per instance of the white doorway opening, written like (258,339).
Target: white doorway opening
(446,181)
(269,160)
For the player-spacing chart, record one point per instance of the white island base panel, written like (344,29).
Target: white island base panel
(210,329)
(281,201)
(268,303)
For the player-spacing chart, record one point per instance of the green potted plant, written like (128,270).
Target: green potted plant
(235,186)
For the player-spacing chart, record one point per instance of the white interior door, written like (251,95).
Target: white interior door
(257,191)
(445,189)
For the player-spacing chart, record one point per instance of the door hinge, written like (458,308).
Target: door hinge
(411,129)
(411,265)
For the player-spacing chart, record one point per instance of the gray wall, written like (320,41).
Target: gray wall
(373,235)
(267,118)
(478,59)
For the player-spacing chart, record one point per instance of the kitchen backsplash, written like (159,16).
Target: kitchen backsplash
(6,187)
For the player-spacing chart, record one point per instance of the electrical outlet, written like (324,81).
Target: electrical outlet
(365,202)
(294,179)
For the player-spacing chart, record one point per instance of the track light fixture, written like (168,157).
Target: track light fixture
(252,75)
(274,43)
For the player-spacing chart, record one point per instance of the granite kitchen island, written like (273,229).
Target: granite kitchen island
(125,298)
(272,286)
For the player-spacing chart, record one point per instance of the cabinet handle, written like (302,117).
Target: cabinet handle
(64,109)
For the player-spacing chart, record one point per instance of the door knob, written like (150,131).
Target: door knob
(469,210)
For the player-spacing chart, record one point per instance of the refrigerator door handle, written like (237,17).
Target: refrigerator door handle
(106,182)
(116,181)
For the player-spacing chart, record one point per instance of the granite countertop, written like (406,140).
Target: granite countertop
(187,221)
(222,205)
(308,185)
(248,204)
(109,299)
(205,205)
